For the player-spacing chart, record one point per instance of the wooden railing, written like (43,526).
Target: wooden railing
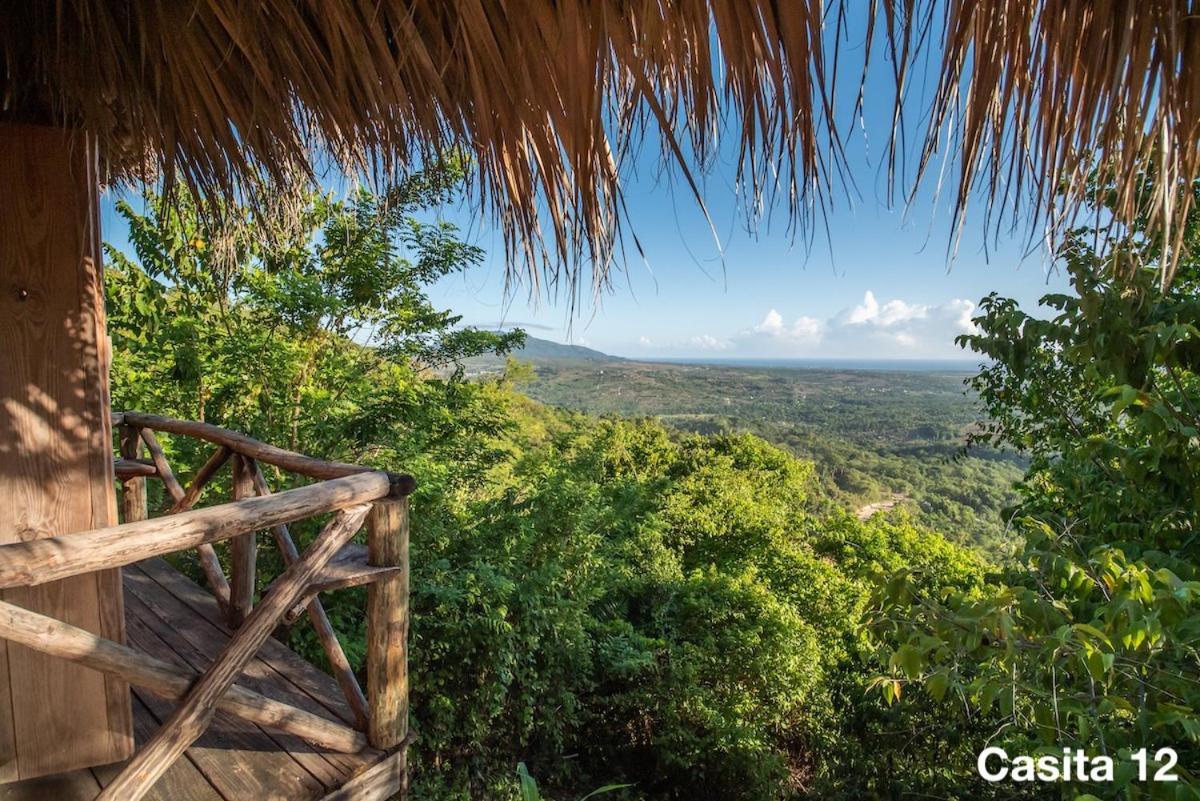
(354,494)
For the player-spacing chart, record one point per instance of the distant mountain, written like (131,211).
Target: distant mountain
(540,352)
(543,350)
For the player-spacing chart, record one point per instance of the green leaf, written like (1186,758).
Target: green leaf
(910,661)
(529,788)
(937,684)
(1093,632)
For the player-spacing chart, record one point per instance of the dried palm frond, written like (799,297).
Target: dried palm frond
(548,98)
(1046,99)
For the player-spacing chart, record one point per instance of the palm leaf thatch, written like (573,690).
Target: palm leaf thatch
(548,98)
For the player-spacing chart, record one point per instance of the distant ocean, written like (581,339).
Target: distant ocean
(876,365)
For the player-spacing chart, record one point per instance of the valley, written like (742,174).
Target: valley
(883,441)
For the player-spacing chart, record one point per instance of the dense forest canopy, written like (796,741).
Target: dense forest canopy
(612,600)
(876,439)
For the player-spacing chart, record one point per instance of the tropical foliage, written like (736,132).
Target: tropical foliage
(605,600)
(1090,640)
(615,601)
(873,437)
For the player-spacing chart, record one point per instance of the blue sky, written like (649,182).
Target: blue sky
(878,284)
(882,286)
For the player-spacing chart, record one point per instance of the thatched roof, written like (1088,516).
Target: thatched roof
(548,97)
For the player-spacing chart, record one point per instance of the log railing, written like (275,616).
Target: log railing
(354,494)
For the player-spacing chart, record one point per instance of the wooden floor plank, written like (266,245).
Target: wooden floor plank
(173,619)
(154,636)
(382,781)
(208,637)
(238,757)
(182,782)
(242,763)
(78,785)
(320,686)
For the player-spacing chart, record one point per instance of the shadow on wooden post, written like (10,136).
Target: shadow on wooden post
(387,624)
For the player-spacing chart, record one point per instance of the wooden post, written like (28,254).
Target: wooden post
(207,556)
(387,624)
(56,459)
(201,479)
(133,490)
(243,549)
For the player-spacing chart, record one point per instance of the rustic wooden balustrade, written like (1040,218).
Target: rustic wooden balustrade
(354,494)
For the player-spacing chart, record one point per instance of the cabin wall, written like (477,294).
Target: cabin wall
(56,472)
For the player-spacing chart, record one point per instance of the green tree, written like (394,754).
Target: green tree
(323,337)
(1090,641)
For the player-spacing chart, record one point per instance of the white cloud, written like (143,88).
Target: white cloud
(802,329)
(898,328)
(709,342)
(897,311)
(687,345)
(875,328)
(772,323)
(965,310)
(895,328)
(869,312)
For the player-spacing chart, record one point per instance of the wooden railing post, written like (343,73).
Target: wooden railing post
(243,550)
(133,490)
(387,624)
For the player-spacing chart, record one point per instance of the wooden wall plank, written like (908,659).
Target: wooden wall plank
(117,698)
(8,743)
(56,473)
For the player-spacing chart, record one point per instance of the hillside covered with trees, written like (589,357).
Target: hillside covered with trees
(618,601)
(875,438)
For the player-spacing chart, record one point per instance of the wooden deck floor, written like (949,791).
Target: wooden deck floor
(169,616)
